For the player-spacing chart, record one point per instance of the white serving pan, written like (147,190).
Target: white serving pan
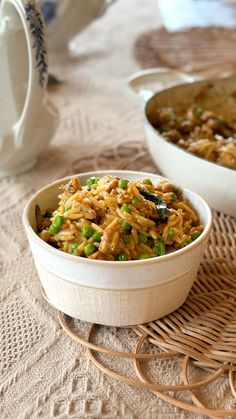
(215,183)
(109,292)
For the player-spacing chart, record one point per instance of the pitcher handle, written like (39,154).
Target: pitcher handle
(142,85)
(32,22)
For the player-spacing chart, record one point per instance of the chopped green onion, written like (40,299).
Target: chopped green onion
(89,249)
(170,232)
(144,256)
(195,235)
(125,208)
(126,239)
(67,209)
(159,248)
(58,220)
(123,183)
(142,238)
(126,226)
(87,231)
(122,257)
(53,229)
(97,236)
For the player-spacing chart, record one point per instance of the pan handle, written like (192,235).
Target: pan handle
(142,85)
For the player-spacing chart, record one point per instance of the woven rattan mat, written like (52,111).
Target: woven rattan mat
(196,49)
(200,335)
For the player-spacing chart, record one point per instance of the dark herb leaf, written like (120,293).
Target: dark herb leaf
(160,203)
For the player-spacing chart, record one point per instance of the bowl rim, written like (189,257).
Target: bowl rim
(162,138)
(155,260)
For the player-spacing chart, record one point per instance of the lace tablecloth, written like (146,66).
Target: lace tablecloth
(43,373)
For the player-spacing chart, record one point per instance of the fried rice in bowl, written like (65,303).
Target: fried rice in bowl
(116,247)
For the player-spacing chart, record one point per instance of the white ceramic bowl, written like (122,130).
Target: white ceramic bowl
(215,183)
(112,292)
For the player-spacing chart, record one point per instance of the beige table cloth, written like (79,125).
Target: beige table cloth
(44,374)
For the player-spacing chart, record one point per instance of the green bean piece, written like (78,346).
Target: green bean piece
(53,229)
(170,232)
(89,249)
(144,256)
(147,181)
(126,238)
(58,221)
(87,231)
(195,235)
(126,226)
(159,248)
(122,257)
(125,208)
(74,246)
(142,238)
(123,183)
(97,236)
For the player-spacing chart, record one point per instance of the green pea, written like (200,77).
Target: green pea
(195,235)
(147,181)
(123,183)
(58,220)
(89,249)
(87,231)
(126,239)
(142,238)
(91,181)
(53,229)
(144,256)
(122,256)
(125,208)
(135,200)
(67,209)
(159,248)
(97,236)
(170,232)
(126,226)
(74,246)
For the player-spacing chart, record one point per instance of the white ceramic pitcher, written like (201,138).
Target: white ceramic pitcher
(28,118)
